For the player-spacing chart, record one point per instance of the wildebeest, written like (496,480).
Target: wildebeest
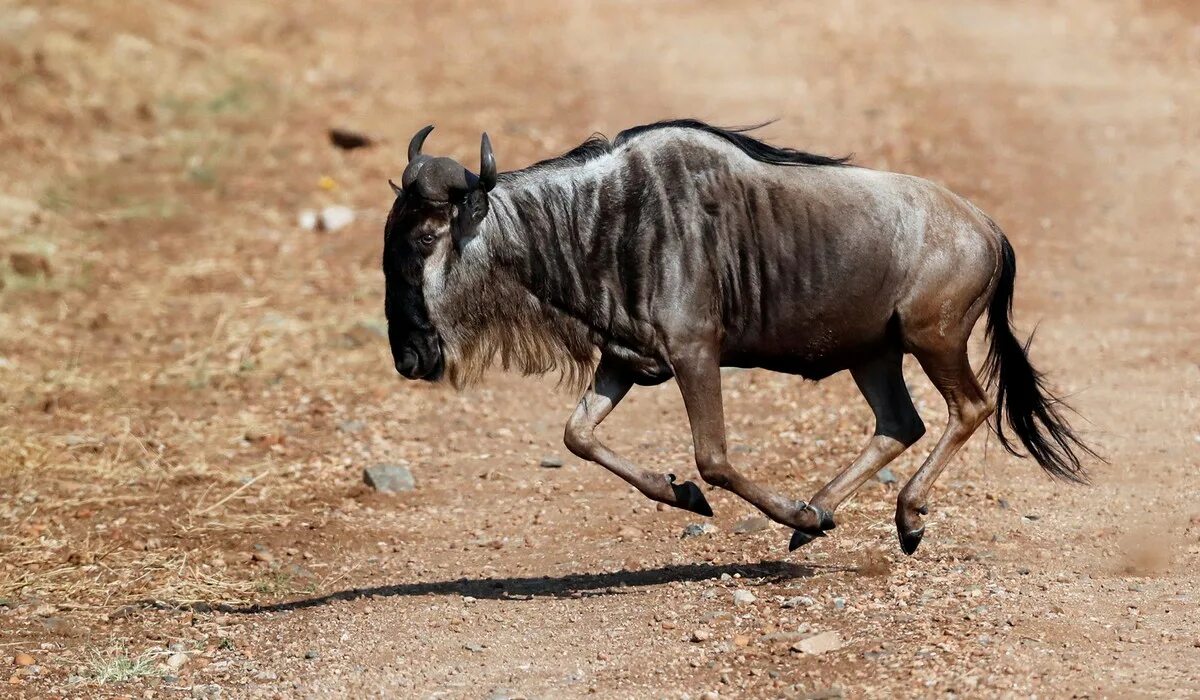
(679,248)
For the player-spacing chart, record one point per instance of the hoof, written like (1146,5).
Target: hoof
(911,539)
(801,538)
(824,517)
(688,496)
(817,521)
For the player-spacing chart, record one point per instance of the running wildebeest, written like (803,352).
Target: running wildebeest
(679,248)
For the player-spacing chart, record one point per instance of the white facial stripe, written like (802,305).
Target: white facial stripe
(434,276)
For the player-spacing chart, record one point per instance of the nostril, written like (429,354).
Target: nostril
(407,364)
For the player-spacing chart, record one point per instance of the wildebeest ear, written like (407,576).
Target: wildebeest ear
(395,188)
(471,213)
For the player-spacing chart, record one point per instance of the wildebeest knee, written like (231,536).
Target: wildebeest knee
(580,438)
(715,470)
(906,430)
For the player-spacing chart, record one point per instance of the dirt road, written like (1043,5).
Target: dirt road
(191,384)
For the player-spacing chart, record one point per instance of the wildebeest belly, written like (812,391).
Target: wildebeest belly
(811,272)
(811,347)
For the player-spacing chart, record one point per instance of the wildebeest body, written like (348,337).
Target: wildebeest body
(681,230)
(679,248)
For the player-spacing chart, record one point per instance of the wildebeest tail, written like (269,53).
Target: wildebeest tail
(1022,399)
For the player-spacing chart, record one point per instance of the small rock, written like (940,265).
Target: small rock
(832,693)
(312,655)
(472,646)
(24,659)
(801,601)
(389,478)
(176,661)
(262,554)
(839,603)
(755,523)
(211,691)
(819,643)
(886,476)
(352,426)
(743,597)
(329,219)
(701,635)
(29,264)
(710,695)
(698,529)
(348,140)
(552,462)
(629,533)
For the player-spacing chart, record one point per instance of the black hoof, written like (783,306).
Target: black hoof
(824,517)
(801,538)
(688,496)
(911,539)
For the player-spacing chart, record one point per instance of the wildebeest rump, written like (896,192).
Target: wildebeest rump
(679,248)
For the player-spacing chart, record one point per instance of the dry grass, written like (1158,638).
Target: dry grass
(135,441)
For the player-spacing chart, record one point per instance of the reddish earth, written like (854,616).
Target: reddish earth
(191,384)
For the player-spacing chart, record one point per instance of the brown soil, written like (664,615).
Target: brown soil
(191,384)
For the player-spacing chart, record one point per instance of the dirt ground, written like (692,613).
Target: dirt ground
(191,383)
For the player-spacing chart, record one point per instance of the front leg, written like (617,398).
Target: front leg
(612,382)
(698,371)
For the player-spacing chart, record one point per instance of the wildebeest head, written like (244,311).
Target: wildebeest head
(438,209)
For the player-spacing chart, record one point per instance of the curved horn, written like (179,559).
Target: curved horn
(487,165)
(414,146)
(395,188)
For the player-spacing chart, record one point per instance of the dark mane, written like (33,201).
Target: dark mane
(758,150)
(595,146)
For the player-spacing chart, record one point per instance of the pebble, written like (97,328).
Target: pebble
(698,529)
(755,523)
(832,693)
(312,654)
(801,601)
(23,659)
(29,264)
(819,643)
(886,476)
(552,462)
(352,426)
(331,218)
(743,597)
(389,478)
(701,635)
(211,691)
(710,695)
(839,603)
(177,660)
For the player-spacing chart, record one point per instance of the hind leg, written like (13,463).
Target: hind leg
(968,407)
(897,426)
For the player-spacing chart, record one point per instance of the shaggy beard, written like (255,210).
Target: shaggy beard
(493,320)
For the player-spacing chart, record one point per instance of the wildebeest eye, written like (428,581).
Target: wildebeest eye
(427,239)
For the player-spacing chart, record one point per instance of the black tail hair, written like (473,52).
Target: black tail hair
(1022,399)
(758,150)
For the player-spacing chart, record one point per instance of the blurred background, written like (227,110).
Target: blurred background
(194,370)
